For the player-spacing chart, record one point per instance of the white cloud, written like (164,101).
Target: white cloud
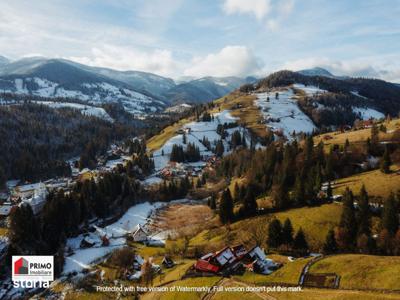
(286,7)
(159,61)
(259,8)
(229,61)
(273,24)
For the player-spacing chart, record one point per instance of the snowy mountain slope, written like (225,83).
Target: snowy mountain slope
(4,61)
(61,78)
(142,81)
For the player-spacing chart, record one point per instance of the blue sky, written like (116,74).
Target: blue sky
(209,37)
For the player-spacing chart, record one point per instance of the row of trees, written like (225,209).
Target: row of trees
(282,237)
(248,206)
(354,232)
(191,154)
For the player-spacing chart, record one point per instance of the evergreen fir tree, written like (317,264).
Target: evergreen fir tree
(374,145)
(390,215)
(280,197)
(287,232)
(24,233)
(274,234)
(364,216)
(348,220)
(213,201)
(184,139)
(385,161)
(330,245)
(299,195)
(249,203)
(300,242)
(219,148)
(329,167)
(226,207)
(329,191)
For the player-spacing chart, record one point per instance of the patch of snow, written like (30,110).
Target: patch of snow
(84,258)
(310,90)
(284,113)
(152,180)
(368,113)
(19,86)
(355,93)
(84,109)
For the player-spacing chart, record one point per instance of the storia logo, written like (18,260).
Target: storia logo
(32,271)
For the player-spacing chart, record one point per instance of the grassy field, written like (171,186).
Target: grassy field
(362,271)
(158,140)
(174,273)
(288,273)
(3,231)
(377,183)
(315,221)
(242,107)
(357,136)
(317,294)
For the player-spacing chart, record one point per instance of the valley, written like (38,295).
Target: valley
(224,174)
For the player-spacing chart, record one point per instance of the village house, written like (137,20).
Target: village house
(261,264)
(234,260)
(139,235)
(38,199)
(26,191)
(223,261)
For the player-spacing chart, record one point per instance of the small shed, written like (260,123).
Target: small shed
(167,262)
(87,243)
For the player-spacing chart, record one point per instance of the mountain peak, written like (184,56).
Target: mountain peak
(316,71)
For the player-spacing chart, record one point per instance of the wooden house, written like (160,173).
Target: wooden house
(139,235)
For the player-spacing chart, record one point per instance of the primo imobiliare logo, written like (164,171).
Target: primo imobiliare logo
(32,271)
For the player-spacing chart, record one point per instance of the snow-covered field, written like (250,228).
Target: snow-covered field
(84,109)
(283,113)
(310,90)
(368,113)
(198,130)
(84,258)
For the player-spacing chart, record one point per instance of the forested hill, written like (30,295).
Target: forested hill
(385,96)
(36,139)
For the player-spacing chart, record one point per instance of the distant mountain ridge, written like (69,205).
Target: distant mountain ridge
(62,78)
(205,89)
(139,92)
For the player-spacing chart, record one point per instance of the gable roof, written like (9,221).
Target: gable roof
(139,229)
